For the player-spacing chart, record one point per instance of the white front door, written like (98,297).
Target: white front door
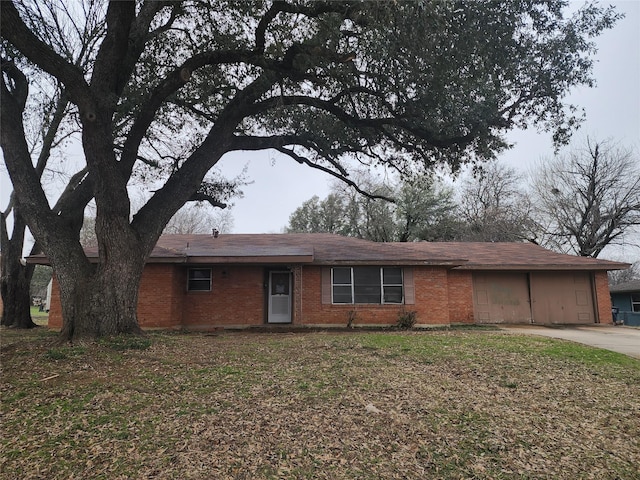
(279,297)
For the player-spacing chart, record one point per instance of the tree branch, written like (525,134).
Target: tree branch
(342,177)
(203,197)
(19,35)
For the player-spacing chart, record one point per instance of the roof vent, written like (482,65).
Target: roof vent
(215,233)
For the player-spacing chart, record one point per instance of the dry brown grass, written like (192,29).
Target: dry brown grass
(448,404)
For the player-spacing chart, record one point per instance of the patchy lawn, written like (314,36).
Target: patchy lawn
(38,317)
(445,404)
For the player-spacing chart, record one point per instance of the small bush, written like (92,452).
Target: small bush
(352,316)
(407,319)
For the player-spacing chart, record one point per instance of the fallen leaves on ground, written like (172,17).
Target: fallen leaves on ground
(459,404)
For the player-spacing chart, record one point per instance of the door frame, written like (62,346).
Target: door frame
(268,296)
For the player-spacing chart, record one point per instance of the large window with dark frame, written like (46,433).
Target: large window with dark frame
(199,280)
(366,285)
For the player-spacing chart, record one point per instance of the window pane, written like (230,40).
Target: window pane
(199,279)
(367,294)
(635,302)
(279,283)
(200,273)
(342,276)
(392,294)
(342,294)
(199,285)
(366,285)
(392,276)
(366,276)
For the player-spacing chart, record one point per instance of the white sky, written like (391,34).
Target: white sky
(280,184)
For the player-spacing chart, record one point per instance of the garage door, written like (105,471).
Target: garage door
(501,297)
(562,297)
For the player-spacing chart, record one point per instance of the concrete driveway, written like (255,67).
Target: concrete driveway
(619,339)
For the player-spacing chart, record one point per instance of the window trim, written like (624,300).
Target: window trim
(333,285)
(209,279)
(384,285)
(381,284)
(635,303)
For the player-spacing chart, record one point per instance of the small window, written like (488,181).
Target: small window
(635,302)
(199,280)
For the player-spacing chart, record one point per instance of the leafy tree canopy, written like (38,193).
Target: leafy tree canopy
(422,209)
(176,85)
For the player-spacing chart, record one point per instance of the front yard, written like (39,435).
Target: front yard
(332,405)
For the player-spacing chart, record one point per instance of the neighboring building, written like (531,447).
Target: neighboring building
(625,298)
(203,282)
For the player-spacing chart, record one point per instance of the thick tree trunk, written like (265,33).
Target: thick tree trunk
(16,297)
(15,281)
(100,301)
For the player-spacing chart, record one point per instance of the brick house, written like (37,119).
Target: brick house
(202,282)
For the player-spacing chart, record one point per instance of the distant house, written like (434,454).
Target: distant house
(625,298)
(202,282)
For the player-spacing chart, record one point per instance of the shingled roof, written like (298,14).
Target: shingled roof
(329,249)
(513,256)
(316,248)
(627,287)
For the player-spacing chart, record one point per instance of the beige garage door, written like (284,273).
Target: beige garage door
(562,297)
(501,297)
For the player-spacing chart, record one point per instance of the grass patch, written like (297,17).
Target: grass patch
(38,317)
(122,343)
(65,352)
(470,403)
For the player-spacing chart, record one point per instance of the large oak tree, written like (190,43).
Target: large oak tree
(49,122)
(177,85)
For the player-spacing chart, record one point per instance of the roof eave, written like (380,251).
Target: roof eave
(255,260)
(394,262)
(540,267)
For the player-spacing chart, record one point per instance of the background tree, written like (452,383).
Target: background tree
(196,218)
(616,277)
(371,215)
(425,210)
(422,209)
(589,198)
(321,216)
(178,85)
(493,205)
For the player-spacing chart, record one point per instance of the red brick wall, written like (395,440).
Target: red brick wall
(431,305)
(160,296)
(55,308)
(159,299)
(237,298)
(460,296)
(603,298)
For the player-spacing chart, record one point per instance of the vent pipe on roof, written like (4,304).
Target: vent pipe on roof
(215,233)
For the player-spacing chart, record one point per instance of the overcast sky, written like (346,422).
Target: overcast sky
(612,109)
(280,185)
